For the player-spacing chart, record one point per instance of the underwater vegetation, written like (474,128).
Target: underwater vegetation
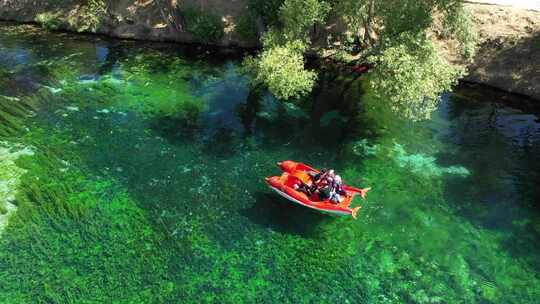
(147,83)
(14,111)
(135,182)
(5,77)
(422,164)
(74,239)
(10,175)
(418,249)
(419,163)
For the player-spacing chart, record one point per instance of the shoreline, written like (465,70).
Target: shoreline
(533,5)
(508,56)
(470,89)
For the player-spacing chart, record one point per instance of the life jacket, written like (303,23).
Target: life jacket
(302,176)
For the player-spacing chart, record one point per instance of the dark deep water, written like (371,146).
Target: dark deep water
(137,171)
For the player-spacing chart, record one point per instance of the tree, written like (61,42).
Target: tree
(392,35)
(411,75)
(281,64)
(281,68)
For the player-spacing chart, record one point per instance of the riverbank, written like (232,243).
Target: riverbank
(508,57)
(138,19)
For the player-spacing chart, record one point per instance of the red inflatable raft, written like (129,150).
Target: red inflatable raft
(294,173)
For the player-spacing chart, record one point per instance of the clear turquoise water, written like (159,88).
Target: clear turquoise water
(146,186)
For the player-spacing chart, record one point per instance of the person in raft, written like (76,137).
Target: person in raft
(338,192)
(327,185)
(318,181)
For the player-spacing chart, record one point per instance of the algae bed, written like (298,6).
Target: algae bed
(137,172)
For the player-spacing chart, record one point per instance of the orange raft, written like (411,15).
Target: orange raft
(295,173)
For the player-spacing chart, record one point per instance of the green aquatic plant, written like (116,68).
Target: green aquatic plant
(461,275)
(10,115)
(64,69)
(156,100)
(419,163)
(15,111)
(115,207)
(76,238)
(10,175)
(153,85)
(423,164)
(8,87)
(363,148)
(109,253)
(407,244)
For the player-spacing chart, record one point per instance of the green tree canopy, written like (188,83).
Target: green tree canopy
(394,36)
(281,68)
(410,74)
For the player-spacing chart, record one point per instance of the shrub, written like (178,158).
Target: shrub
(205,27)
(91,16)
(268,10)
(50,21)
(459,24)
(298,16)
(246,27)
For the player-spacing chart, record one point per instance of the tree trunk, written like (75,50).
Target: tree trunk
(368,24)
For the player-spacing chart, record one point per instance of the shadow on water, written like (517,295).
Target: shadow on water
(500,146)
(175,131)
(276,213)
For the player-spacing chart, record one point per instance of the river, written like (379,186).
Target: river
(134,173)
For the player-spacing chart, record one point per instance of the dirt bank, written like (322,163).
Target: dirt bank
(525,4)
(508,57)
(154,20)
